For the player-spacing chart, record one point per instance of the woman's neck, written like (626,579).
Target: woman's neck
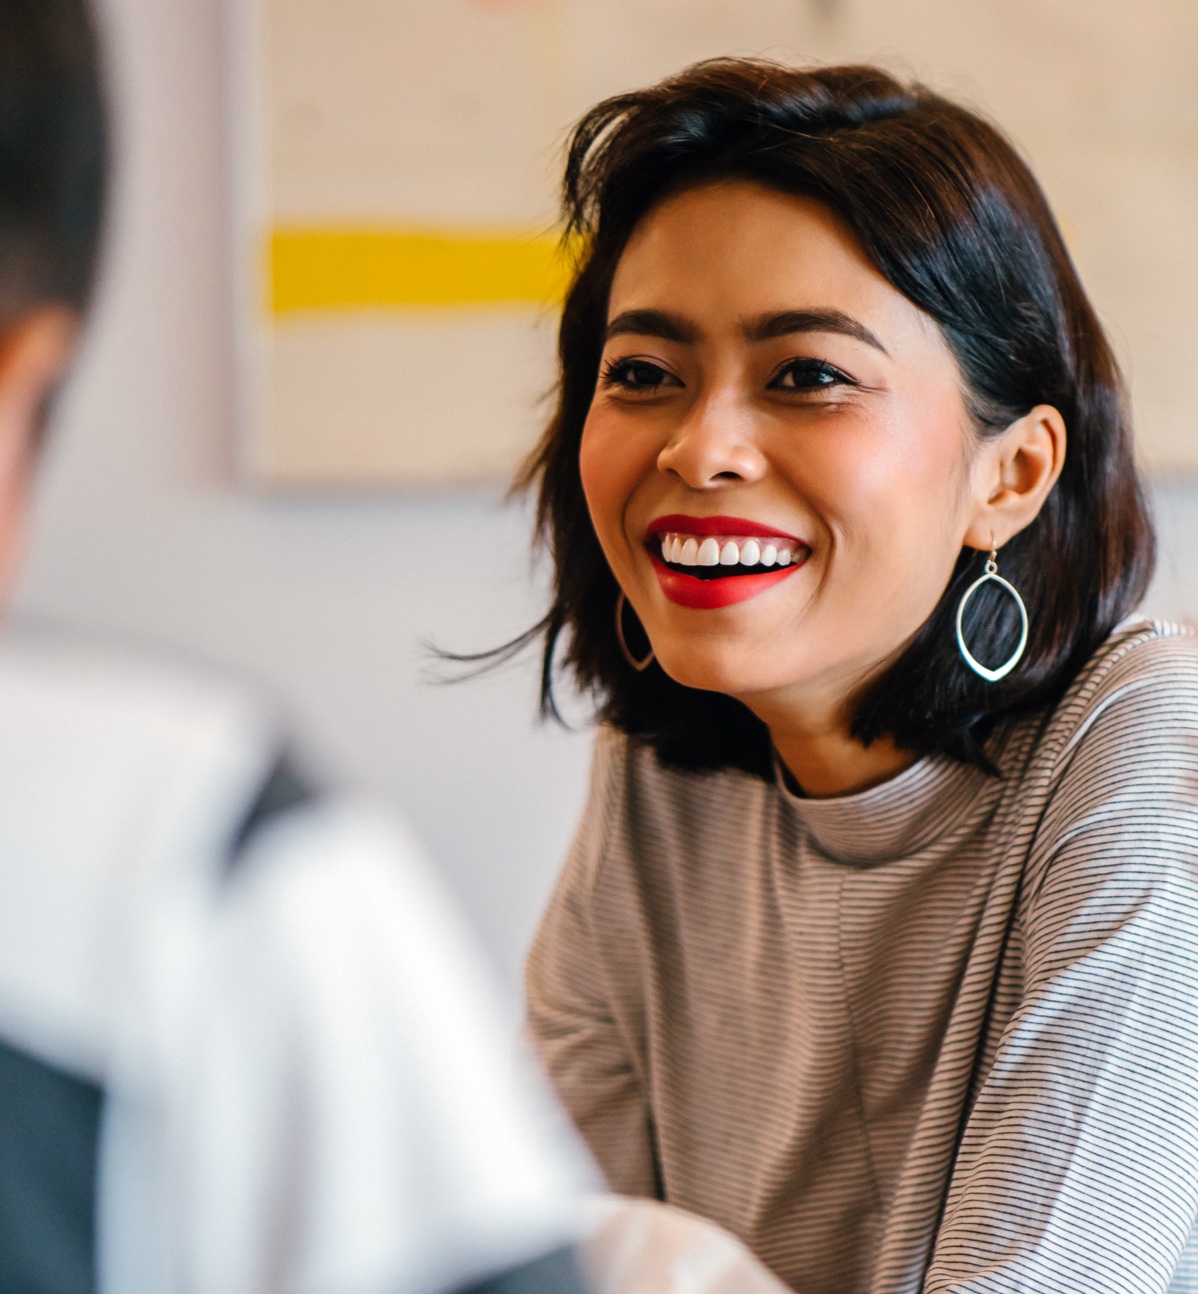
(822,755)
(841,767)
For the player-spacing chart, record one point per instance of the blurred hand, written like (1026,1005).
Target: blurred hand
(643,1247)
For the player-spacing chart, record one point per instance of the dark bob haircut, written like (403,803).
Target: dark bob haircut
(53,153)
(950,214)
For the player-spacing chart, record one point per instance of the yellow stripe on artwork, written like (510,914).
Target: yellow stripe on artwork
(337,269)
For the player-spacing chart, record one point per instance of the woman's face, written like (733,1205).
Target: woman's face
(778,460)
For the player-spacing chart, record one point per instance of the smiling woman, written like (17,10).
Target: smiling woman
(875,944)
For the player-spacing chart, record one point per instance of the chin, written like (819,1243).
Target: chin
(727,667)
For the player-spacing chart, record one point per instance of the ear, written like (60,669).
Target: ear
(1013,475)
(35,352)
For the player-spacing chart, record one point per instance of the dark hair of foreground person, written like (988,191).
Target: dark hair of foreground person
(952,217)
(53,154)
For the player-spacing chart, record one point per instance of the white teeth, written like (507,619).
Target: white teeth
(714,551)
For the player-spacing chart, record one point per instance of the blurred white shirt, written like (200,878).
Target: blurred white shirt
(305,1087)
(354,1118)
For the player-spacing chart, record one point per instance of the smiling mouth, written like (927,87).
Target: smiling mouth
(721,557)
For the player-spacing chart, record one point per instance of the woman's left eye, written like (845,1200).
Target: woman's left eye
(808,375)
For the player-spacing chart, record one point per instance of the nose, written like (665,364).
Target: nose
(714,445)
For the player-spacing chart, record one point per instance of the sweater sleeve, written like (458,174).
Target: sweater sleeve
(1078,1168)
(572,1016)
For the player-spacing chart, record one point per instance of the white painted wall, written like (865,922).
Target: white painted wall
(140,529)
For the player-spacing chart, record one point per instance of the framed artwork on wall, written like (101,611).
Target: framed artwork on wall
(396,165)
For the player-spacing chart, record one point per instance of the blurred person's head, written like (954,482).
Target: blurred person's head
(52,180)
(829,313)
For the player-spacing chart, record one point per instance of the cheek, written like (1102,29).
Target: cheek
(902,476)
(930,478)
(612,464)
(590,459)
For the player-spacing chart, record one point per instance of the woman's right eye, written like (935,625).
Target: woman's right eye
(640,375)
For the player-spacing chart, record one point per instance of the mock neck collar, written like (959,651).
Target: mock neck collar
(895,819)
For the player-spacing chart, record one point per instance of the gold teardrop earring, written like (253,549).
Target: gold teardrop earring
(639,665)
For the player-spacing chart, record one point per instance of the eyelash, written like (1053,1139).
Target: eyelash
(812,368)
(618,372)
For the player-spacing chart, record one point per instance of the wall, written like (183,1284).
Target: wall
(140,530)
(419,116)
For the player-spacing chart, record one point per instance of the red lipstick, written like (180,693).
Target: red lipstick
(678,521)
(710,595)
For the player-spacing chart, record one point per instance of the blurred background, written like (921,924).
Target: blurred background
(168,510)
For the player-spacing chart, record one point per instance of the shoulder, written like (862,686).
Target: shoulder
(92,709)
(151,755)
(1140,690)
(118,771)
(1113,787)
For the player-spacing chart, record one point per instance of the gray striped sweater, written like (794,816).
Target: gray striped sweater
(938,1036)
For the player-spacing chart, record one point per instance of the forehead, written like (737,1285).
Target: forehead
(733,250)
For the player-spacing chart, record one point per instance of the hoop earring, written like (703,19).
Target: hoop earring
(991,573)
(638,665)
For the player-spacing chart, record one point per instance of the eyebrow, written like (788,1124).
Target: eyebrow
(659,323)
(652,323)
(767,327)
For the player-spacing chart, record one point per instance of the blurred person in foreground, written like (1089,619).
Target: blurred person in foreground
(244,1045)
